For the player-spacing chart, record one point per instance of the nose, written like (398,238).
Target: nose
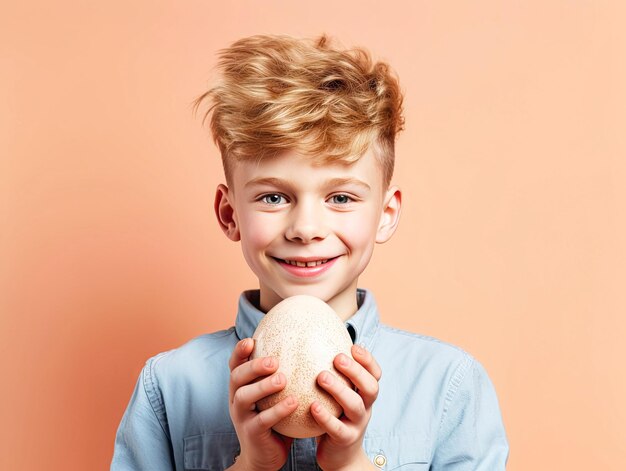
(307,223)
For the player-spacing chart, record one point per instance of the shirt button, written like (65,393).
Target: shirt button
(380,460)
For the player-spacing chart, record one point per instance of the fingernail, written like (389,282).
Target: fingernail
(327,378)
(359,349)
(278,379)
(244,344)
(343,360)
(268,362)
(290,401)
(316,407)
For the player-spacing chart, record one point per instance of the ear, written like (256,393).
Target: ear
(390,216)
(225,212)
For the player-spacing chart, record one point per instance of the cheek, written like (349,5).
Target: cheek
(256,232)
(359,232)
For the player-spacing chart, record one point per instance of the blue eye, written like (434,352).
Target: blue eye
(341,199)
(272,198)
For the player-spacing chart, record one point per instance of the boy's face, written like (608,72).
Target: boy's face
(308,229)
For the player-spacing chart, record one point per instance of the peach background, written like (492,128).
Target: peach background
(512,243)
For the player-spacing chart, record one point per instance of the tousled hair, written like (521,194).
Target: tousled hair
(277,93)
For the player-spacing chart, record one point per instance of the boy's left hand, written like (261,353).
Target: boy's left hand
(341,446)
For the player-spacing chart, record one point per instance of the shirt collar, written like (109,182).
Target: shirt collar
(362,326)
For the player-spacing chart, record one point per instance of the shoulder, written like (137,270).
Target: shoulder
(406,348)
(193,358)
(397,340)
(430,359)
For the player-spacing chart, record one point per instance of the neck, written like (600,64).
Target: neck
(344,307)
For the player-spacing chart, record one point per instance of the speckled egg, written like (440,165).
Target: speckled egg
(305,334)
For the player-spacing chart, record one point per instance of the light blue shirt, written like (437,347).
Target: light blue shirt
(436,409)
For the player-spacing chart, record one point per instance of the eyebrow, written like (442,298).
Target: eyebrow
(270,181)
(348,181)
(273,181)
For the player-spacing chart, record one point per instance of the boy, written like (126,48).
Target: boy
(306,133)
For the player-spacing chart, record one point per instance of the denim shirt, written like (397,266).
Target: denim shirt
(436,408)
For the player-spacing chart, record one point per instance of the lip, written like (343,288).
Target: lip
(307,272)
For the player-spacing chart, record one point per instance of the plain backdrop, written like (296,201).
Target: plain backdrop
(511,244)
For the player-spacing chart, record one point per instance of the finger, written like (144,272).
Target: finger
(266,419)
(351,403)
(366,359)
(366,384)
(246,397)
(241,352)
(251,370)
(335,428)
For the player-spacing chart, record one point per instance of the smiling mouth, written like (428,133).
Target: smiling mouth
(297,263)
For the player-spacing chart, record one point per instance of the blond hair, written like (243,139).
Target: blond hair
(279,93)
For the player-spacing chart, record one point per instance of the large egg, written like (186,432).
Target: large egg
(305,334)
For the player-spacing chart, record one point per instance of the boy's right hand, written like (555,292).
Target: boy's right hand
(261,448)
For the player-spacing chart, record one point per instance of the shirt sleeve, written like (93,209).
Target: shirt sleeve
(142,441)
(471,435)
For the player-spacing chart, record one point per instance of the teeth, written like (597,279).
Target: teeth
(306,264)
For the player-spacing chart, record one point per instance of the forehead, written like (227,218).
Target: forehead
(304,170)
